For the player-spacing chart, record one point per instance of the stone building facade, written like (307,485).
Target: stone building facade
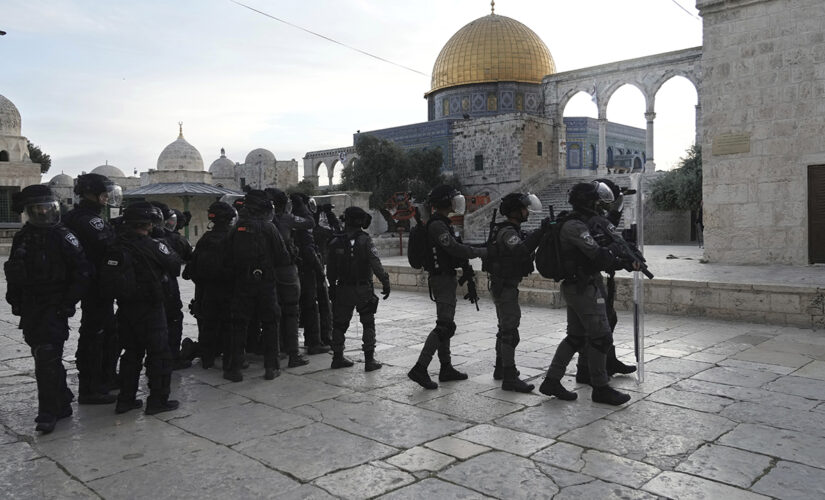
(16,168)
(260,170)
(763,138)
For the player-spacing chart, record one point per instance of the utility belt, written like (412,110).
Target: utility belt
(354,283)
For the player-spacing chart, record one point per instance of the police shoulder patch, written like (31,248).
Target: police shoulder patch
(96,223)
(513,240)
(72,239)
(163,248)
(588,238)
(444,239)
(374,250)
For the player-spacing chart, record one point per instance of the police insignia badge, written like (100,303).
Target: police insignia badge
(163,249)
(96,223)
(444,239)
(513,240)
(374,251)
(72,239)
(588,238)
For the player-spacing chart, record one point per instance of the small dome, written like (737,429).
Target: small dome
(260,156)
(61,180)
(108,170)
(9,118)
(492,49)
(223,167)
(180,155)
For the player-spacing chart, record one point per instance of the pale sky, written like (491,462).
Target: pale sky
(109,80)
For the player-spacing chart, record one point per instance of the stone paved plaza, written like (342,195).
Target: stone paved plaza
(727,411)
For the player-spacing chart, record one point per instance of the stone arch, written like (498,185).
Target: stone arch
(607,95)
(672,73)
(570,94)
(322,172)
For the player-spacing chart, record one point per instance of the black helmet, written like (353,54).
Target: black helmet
(583,195)
(170,218)
(516,201)
(221,212)
(183,218)
(39,203)
(357,217)
(142,212)
(279,199)
(96,185)
(257,203)
(444,196)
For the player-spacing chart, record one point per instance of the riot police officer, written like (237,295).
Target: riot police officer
(255,251)
(326,225)
(512,260)
(445,255)
(287,278)
(213,280)
(98,348)
(47,274)
(584,294)
(141,317)
(309,267)
(351,263)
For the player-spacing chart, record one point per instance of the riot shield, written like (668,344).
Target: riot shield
(637,181)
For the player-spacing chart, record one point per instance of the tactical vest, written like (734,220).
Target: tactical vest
(351,258)
(251,255)
(505,264)
(441,262)
(36,264)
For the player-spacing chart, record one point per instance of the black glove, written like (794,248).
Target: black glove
(66,311)
(385,291)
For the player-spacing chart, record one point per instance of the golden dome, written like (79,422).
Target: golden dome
(492,49)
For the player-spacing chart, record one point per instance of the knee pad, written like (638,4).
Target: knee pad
(575,343)
(445,329)
(601,344)
(509,337)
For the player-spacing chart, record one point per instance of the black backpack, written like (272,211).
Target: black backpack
(117,278)
(549,262)
(419,251)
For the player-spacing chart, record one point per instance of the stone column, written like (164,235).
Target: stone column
(562,139)
(649,166)
(602,146)
(698,139)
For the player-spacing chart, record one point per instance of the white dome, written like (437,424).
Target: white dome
(109,171)
(223,167)
(180,155)
(9,118)
(61,180)
(259,157)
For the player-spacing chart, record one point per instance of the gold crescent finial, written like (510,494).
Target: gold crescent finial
(492,7)
(180,127)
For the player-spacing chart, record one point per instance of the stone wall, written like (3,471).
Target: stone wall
(763,108)
(666,228)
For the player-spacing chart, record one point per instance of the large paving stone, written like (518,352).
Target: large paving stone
(455,447)
(214,472)
(471,407)
(602,491)
(286,391)
(238,423)
(364,481)
(685,487)
(564,455)
(760,396)
(764,355)
(503,439)
(653,382)
(809,422)
(736,376)
(554,417)
(408,392)
(659,448)
(790,445)
(691,400)
(792,481)
(676,367)
(200,397)
(420,459)
(122,445)
(725,464)
(314,450)
(502,475)
(799,386)
(814,369)
(388,422)
(38,478)
(356,379)
(433,488)
(606,466)
(674,420)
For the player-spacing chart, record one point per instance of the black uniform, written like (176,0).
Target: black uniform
(289,284)
(351,263)
(142,321)
(172,303)
(47,274)
(515,252)
(309,268)
(97,348)
(255,251)
(322,236)
(448,255)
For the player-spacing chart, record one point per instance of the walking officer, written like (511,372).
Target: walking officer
(351,263)
(584,294)
(47,274)
(446,254)
(512,259)
(98,348)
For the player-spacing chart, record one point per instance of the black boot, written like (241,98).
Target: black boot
(615,366)
(271,373)
(370,363)
(296,360)
(498,374)
(45,423)
(419,375)
(153,408)
(553,387)
(608,395)
(511,381)
(339,361)
(449,373)
(124,406)
(233,375)
(318,349)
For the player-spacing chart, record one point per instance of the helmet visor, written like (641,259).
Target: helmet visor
(458,204)
(533,203)
(43,214)
(171,223)
(113,196)
(605,193)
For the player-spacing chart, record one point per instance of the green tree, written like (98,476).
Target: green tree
(38,156)
(681,188)
(306,187)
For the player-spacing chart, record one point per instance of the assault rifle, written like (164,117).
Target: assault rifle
(628,251)
(468,276)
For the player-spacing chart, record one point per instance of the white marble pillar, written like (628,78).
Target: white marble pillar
(698,139)
(602,171)
(649,166)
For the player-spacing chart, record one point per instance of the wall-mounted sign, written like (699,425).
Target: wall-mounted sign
(729,144)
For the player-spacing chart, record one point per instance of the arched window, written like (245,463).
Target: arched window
(4,155)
